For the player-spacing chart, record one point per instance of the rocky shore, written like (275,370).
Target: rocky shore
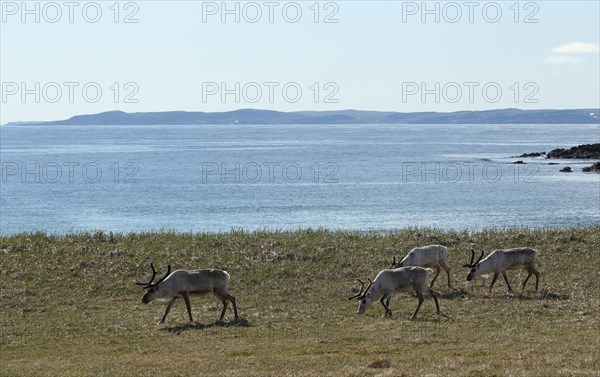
(595,168)
(582,152)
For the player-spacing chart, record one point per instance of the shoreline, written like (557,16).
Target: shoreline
(102,234)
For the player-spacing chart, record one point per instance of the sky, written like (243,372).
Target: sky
(63,58)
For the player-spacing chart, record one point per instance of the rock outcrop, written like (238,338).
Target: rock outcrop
(595,168)
(584,151)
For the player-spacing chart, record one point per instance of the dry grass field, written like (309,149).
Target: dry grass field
(69,307)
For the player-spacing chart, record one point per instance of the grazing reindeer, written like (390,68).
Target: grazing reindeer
(501,260)
(405,279)
(184,283)
(435,256)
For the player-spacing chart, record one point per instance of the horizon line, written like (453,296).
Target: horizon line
(300,111)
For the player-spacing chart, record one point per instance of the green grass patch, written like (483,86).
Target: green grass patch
(69,306)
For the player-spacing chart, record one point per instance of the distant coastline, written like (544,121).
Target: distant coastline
(256,116)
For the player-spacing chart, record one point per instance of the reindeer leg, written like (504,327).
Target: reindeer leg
(506,280)
(532,271)
(186,298)
(382,300)
(493,281)
(168,310)
(437,268)
(421,299)
(224,301)
(447,269)
(387,302)
(434,295)
(233,302)
(527,278)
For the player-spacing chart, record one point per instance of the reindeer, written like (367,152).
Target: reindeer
(501,260)
(435,256)
(405,279)
(185,283)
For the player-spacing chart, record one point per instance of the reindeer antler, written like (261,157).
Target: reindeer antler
(471,264)
(360,291)
(164,277)
(149,283)
(151,279)
(367,290)
(472,257)
(478,260)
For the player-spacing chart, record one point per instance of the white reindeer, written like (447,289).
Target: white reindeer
(186,283)
(405,279)
(501,260)
(435,256)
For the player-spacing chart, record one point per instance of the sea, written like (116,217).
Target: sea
(219,178)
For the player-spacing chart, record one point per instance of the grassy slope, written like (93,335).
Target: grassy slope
(68,307)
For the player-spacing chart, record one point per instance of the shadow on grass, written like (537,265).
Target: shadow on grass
(446,295)
(543,294)
(453,294)
(547,295)
(437,317)
(241,322)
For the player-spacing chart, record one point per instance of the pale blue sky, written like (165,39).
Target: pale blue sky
(370,55)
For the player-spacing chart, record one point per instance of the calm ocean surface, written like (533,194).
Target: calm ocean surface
(362,177)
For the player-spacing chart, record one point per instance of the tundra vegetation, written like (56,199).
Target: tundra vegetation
(69,306)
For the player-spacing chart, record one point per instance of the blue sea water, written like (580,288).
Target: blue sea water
(361,177)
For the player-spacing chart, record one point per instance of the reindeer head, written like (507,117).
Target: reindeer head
(152,288)
(363,296)
(397,264)
(473,267)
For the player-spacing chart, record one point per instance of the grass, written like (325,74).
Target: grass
(68,307)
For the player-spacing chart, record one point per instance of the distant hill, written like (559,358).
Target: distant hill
(253,116)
